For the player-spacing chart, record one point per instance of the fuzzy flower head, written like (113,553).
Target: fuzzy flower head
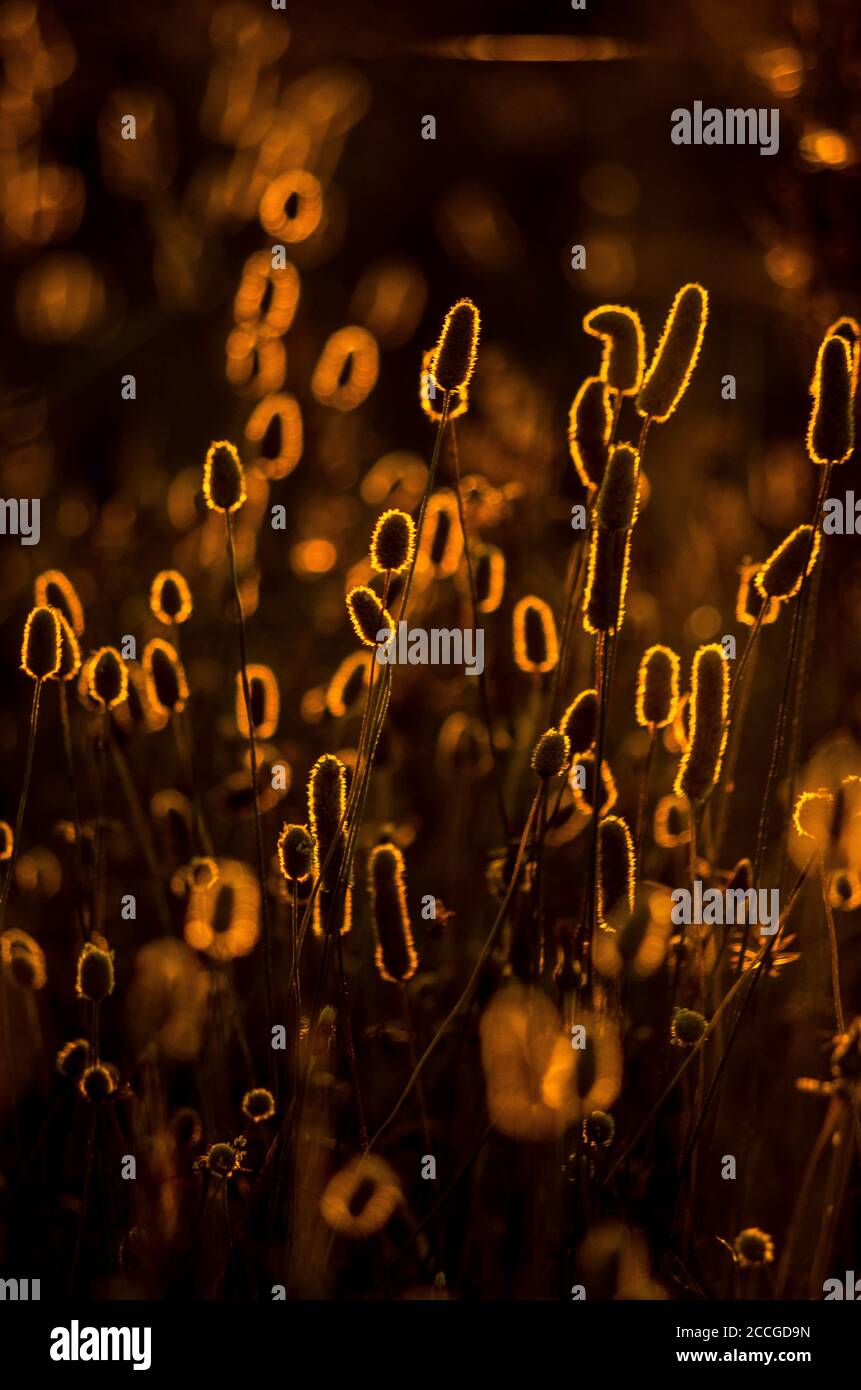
(258,1105)
(40,647)
(453,360)
(393,542)
(753,1248)
(223,477)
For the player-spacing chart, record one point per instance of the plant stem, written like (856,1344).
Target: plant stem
(252,751)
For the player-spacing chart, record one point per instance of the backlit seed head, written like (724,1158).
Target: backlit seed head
(95,974)
(70,652)
(617,498)
(40,648)
(590,420)
(580,722)
(741,877)
(54,589)
(700,766)
(166,686)
(107,678)
(623,343)
(782,574)
(393,542)
(536,647)
(23,959)
(615,871)
(73,1059)
(347,684)
(265,701)
(831,429)
(223,1159)
(97,1083)
(258,1105)
(489,577)
(550,755)
(395,956)
(442,539)
(361,1198)
(606,580)
(657,687)
(7,840)
(599,1129)
(749,600)
(584,797)
(223,477)
(849,329)
(327,801)
(368,615)
(432,396)
(676,354)
(687,1027)
(753,1248)
(295,852)
(170,598)
(453,361)
(812,816)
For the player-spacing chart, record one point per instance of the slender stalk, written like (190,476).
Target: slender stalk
(832,949)
(787,685)
(76,812)
(98,887)
(482,684)
(142,829)
(474,977)
(644,801)
(252,752)
(22,802)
